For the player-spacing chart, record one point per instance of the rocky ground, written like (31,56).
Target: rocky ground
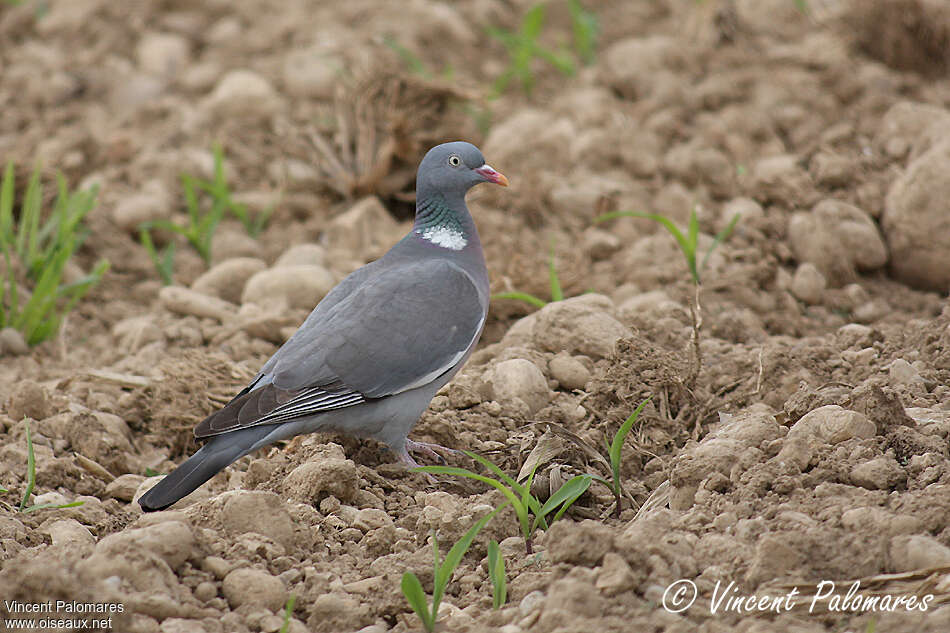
(812,446)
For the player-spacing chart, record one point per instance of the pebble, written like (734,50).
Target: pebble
(190,302)
(808,284)
(302,254)
(917,551)
(583,543)
(249,586)
(914,221)
(29,399)
(311,73)
(520,379)
(163,54)
(243,93)
(314,480)
(12,342)
(832,424)
(579,325)
(261,512)
(568,371)
(365,231)
(301,286)
(780,179)
(151,203)
(880,473)
(226,280)
(172,541)
(124,486)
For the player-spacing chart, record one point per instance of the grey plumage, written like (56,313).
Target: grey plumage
(374,352)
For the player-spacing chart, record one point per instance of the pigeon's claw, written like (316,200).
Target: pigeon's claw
(435,451)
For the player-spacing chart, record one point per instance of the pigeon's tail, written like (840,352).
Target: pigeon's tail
(210,459)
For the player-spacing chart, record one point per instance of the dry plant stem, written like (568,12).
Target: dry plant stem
(696,360)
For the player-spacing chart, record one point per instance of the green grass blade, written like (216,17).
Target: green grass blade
(495,469)
(444,571)
(688,248)
(6,207)
(566,495)
(585,29)
(30,220)
(616,446)
(721,236)
(521,296)
(416,597)
(58,506)
(288,613)
(520,510)
(496,572)
(557,294)
(532,22)
(30,467)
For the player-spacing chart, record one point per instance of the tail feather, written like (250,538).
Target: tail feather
(210,459)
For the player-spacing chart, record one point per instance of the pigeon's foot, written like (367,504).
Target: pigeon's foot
(435,451)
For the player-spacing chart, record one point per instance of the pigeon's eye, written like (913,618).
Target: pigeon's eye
(454,161)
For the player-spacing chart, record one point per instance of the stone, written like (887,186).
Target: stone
(152,203)
(12,342)
(365,231)
(838,238)
(306,254)
(583,543)
(520,379)
(193,303)
(29,399)
(371,519)
(631,65)
(917,551)
(579,325)
(249,586)
(172,541)
(163,54)
(243,93)
(915,221)
(311,73)
(70,535)
(808,284)
(880,473)
(314,480)
(226,280)
(775,556)
(260,512)
(903,373)
(568,371)
(780,179)
(615,575)
(832,424)
(299,287)
(134,333)
(600,244)
(124,486)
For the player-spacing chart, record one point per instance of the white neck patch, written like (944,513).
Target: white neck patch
(444,236)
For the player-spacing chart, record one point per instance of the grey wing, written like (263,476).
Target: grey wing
(378,336)
(397,331)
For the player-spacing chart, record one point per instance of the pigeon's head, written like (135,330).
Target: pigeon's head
(454,168)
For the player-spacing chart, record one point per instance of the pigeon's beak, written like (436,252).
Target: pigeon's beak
(487,172)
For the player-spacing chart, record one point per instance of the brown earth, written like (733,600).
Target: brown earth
(812,446)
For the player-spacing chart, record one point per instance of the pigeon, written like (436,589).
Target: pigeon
(373,353)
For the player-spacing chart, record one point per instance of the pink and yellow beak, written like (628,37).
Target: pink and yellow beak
(488,172)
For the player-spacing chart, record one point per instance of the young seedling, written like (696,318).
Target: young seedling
(41,250)
(496,573)
(530,512)
(557,293)
(688,244)
(31,481)
(288,613)
(412,588)
(203,218)
(586,28)
(523,48)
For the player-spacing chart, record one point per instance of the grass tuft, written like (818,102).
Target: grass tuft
(39,250)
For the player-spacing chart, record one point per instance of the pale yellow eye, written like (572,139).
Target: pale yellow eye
(455,161)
